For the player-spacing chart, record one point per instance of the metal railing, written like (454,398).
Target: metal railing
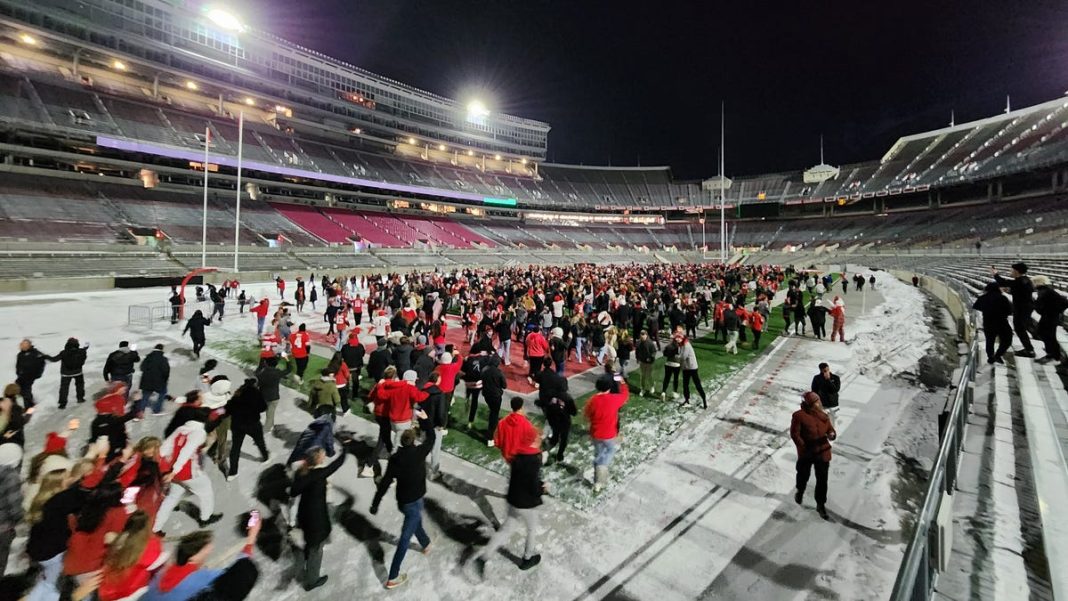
(919,568)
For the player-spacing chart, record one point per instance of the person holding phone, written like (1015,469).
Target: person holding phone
(313,515)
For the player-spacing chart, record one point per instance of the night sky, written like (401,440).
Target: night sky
(626,83)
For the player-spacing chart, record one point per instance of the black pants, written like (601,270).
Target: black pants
(1047,332)
(671,373)
(174,313)
(322,410)
(26,388)
(1021,324)
(819,330)
(343,392)
(494,405)
(691,331)
(64,389)
(535,365)
(689,375)
(198,344)
(756,339)
(804,468)
(741,333)
(1003,333)
(218,310)
(786,320)
(239,430)
(561,426)
(302,364)
(385,432)
(472,403)
(799,323)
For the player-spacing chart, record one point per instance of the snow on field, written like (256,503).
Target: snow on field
(709,516)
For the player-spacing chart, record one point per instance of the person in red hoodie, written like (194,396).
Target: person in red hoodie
(449,368)
(300,343)
(602,411)
(403,397)
(102,513)
(537,348)
(131,559)
(513,431)
(379,397)
(260,311)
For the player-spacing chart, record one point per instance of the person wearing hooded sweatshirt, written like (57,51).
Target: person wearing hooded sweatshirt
(155,372)
(269,377)
(195,328)
(323,395)
(511,431)
(1050,306)
(353,353)
(408,467)
(182,451)
(493,388)
(688,363)
(244,409)
(817,314)
(525,488)
(219,392)
(1022,291)
(436,411)
(537,349)
(672,367)
(187,579)
(812,433)
(29,366)
(602,411)
(11,511)
(838,317)
(378,360)
(996,310)
(119,366)
(559,407)
(71,361)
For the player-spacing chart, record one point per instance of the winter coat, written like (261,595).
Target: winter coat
(30,364)
(324,392)
(424,366)
(817,314)
(827,389)
(1021,290)
(12,432)
(471,371)
(602,411)
(378,362)
(493,382)
(268,378)
(181,450)
(550,385)
(353,355)
(524,481)
(319,433)
(812,433)
(71,359)
(1049,304)
(996,309)
(195,327)
(155,371)
(218,394)
(120,364)
(11,500)
(687,356)
(313,515)
(402,358)
(245,407)
(435,408)
(408,467)
(49,536)
(645,351)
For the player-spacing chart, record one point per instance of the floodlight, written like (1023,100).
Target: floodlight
(27,39)
(250,101)
(497,156)
(441,147)
(476,109)
(411,141)
(470,153)
(522,161)
(118,65)
(225,20)
(192,85)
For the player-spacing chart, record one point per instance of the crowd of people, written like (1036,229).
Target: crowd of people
(97,517)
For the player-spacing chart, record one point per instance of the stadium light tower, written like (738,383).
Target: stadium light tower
(477,110)
(225,19)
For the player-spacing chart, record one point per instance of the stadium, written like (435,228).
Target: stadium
(154,147)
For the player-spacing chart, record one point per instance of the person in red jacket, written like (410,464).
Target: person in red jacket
(260,311)
(602,411)
(513,430)
(378,398)
(281,287)
(812,433)
(131,560)
(403,397)
(537,348)
(300,343)
(756,324)
(102,513)
(449,368)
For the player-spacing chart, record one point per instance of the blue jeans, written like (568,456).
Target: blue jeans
(413,524)
(505,351)
(259,325)
(580,343)
(603,451)
(151,398)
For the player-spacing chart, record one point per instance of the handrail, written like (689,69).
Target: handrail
(917,574)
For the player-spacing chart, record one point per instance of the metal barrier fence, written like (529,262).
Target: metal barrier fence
(928,550)
(149,315)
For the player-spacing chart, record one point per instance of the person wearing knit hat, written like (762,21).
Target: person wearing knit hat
(1023,305)
(525,488)
(1050,306)
(11,511)
(812,433)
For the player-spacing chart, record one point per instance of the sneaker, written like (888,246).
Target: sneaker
(231,477)
(530,562)
(268,458)
(823,513)
(797,497)
(399,580)
(489,443)
(365,472)
(321,581)
(1029,354)
(1042,361)
(1000,359)
(426,549)
(211,520)
(663,396)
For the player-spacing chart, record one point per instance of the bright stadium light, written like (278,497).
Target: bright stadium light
(27,39)
(441,147)
(470,153)
(225,20)
(118,65)
(522,161)
(411,141)
(476,110)
(497,156)
(250,101)
(192,85)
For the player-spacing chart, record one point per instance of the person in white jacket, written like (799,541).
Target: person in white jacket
(182,449)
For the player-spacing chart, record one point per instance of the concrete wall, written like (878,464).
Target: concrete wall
(958,308)
(57,284)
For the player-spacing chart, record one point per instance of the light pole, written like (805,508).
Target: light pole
(237,218)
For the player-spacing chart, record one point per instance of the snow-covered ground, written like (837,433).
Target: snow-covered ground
(710,516)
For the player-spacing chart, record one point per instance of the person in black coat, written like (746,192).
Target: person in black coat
(525,489)
(71,360)
(119,366)
(244,409)
(1023,305)
(313,515)
(996,310)
(424,365)
(268,378)
(195,328)
(559,407)
(378,361)
(827,385)
(29,366)
(402,355)
(817,314)
(155,372)
(1050,306)
(437,412)
(353,354)
(408,467)
(493,387)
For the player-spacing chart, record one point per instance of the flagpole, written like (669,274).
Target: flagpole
(237,218)
(204,224)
